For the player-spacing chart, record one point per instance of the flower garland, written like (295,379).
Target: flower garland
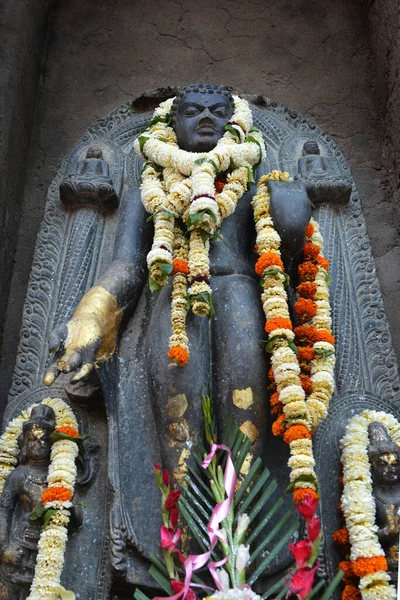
(367,557)
(57,497)
(180,184)
(301,377)
(178,341)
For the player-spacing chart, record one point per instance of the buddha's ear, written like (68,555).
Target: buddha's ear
(150,100)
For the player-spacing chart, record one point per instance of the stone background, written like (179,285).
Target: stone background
(68,63)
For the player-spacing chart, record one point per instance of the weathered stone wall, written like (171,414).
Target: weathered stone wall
(384,25)
(22,32)
(311,55)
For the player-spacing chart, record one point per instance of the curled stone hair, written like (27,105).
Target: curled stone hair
(201,88)
(311,147)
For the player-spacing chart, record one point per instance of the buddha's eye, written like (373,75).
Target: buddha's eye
(190,111)
(220,111)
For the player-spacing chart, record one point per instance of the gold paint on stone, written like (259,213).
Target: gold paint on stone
(180,471)
(177,406)
(179,431)
(245,468)
(243,398)
(249,429)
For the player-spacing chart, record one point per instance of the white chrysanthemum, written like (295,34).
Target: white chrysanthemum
(235,594)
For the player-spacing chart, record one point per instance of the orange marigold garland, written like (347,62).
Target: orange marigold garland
(178,341)
(298,418)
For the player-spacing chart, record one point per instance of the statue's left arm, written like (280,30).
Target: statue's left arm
(91,334)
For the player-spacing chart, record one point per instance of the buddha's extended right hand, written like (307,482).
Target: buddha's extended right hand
(88,338)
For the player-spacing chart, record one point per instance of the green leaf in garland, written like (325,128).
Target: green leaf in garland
(276,271)
(163,139)
(254,129)
(250,175)
(194,218)
(324,353)
(47,515)
(36,514)
(204,235)
(328,279)
(56,436)
(214,164)
(199,161)
(150,218)
(142,140)
(233,131)
(165,268)
(154,287)
(166,214)
(159,119)
(307,478)
(272,339)
(205,297)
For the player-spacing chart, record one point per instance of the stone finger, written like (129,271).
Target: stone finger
(51,374)
(57,337)
(83,372)
(73,362)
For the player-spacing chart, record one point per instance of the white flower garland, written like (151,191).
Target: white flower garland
(285,365)
(358,503)
(177,183)
(62,472)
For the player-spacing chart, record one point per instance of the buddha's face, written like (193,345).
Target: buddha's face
(200,120)
(37,444)
(386,469)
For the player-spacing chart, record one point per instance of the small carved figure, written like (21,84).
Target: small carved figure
(384,456)
(322,182)
(22,494)
(90,184)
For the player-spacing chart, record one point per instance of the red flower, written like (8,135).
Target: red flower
(178,586)
(172,499)
(301,552)
(166,478)
(169,540)
(301,582)
(314,528)
(173,516)
(307,507)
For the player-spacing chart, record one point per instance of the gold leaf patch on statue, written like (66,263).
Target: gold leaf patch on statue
(243,398)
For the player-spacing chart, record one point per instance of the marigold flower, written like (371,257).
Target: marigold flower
(180,266)
(308,289)
(347,567)
(311,251)
(323,262)
(256,248)
(277,409)
(277,428)
(309,230)
(301,493)
(71,431)
(56,493)
(278,323)
(307,271)
(305,308)
(307,507)
(274,400)
(350,592)
(296,432)
(219,183)
(364,566)
(305,334)
(320,335)
(267,260)
(271,375)
(305,353)
(306,383)
(341,536)
(179,355)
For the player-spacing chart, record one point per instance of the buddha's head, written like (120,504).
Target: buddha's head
(310,147)
(94,152)
(35,442)
(199,115)
(384,456)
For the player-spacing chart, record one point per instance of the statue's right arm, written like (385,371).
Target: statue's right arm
(91,334)
(8,500)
